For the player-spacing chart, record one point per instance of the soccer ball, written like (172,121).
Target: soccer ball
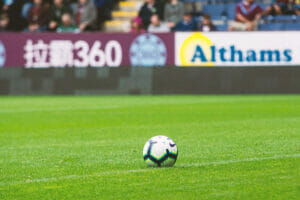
(160,151)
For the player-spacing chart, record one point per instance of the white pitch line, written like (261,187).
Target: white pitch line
(101,174)
(59,109)
(224,162)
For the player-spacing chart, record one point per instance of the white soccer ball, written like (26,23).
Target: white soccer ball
(160,151)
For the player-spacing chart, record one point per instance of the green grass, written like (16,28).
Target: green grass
(230,147)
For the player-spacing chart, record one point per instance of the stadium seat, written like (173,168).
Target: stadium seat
(215,11)
(271,26)
(282,18)
(264,5)
(223,10)
(230,11)
(222,27)
(291,26)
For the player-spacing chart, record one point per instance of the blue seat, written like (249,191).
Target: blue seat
(230,10)
(264,5)
(225,1)
(215,11)
(291,26)
(222,27)
(271,26)
(284,18)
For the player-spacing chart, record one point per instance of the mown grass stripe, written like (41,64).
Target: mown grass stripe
(222,162)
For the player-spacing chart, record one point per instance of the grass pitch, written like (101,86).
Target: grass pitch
(230,147)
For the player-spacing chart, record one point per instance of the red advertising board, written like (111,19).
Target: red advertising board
(86,49)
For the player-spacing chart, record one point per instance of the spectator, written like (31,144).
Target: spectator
(104,8)
(12,8)
(247,15)
(280,7)
(38,16)
(72,3)
(4,18)
(174,11)
(207,24)
(5,4)
(297,7)
(137,25)
(149,8)
(162,4)
(56,11)
(26,8)
(67,25)
(156,26)
(188,23)
(85,15)
(4,22)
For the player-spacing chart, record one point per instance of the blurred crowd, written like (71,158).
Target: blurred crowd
(159,16)
(54,15)
(154,15)
(164,16)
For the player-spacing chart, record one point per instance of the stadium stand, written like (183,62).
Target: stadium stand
(221,12)
(116,16)
(121,17)
(224,11)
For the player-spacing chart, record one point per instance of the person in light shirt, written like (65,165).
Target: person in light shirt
(85,15)
(173,13)
(157,26)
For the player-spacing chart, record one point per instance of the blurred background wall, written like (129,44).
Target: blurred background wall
(156,80)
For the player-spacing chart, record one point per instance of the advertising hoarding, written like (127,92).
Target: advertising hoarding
(237,49)
(88,49)
(146,50)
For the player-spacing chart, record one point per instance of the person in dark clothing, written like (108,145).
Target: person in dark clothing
(13,11)
(4,18)
(38,16)
(56,11)
(26,7)
(150,8)
(297,7)
(280,7)
(4,22)
(104,9)
(187,24)
(207,24)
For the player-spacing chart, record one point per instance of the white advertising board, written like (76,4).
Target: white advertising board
(237,48)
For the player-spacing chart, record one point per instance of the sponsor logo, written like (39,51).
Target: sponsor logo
(198,50)
(148,50)
(65,53)
(2,54)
